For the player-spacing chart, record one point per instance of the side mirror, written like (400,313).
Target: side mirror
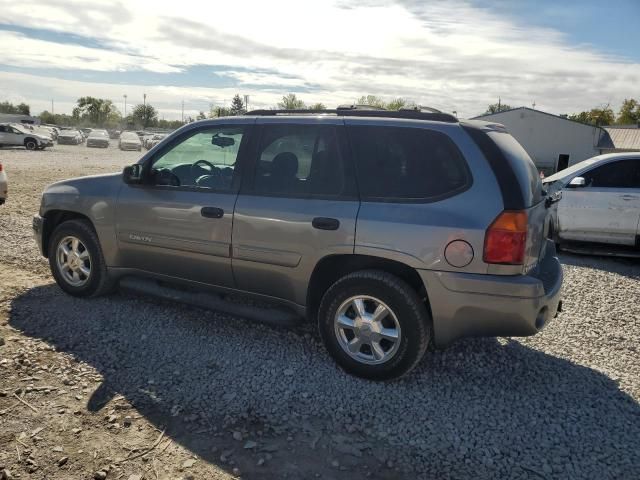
(132,174)
(577,182)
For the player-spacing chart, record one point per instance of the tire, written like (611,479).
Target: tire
(407,316)
(94,284)
(30,144)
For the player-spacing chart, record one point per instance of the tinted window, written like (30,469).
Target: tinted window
(206,159)
(397,162)
(620,174)
(299,160)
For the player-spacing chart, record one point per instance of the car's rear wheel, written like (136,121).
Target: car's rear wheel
(76,260)
(374,325)
(30,144)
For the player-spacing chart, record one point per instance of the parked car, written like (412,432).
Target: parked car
(114,134)
(390,230)
(98,138)
(4,185)
(129,141)
(146,138)
(86,131)
(600,201)
(14,134)
(154,140)
(70,137)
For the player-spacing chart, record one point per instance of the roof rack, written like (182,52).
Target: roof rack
(418,113)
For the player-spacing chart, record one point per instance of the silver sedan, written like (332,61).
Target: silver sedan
(600,201)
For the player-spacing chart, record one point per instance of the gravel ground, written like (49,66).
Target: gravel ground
(230,394)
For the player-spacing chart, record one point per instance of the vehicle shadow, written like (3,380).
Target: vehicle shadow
(628,267)
(482,409)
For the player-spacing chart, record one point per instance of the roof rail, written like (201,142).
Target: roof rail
(357,111)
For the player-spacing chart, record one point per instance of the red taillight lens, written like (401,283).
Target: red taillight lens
(0,167)
(506,239)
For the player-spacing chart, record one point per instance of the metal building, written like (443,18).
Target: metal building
(553,142)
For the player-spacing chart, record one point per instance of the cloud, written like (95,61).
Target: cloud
(452,55)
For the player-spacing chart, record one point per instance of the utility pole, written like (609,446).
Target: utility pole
(246,103)
(52,112)
(183,111)
(144,104)
(125,105)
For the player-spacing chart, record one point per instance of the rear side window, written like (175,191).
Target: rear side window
(407,163)
(620,174)
(299,161)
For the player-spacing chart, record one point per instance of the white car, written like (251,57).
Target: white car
(4,189)
(129,141)
(600,201)
(13,134)
(70,137)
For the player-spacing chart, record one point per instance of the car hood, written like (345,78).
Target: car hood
(78,184)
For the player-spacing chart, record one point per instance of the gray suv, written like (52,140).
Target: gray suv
(391,230)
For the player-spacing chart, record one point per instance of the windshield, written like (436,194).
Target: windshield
(98,133)
(129,136)
(567,172)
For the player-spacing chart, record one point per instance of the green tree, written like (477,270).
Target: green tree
(201,115)
(497,107)
(596,116)
(237,106)
(21,108)
(317,107)
(98,112)
(371,101)
(291,102)
(145,115)
(629,112)
(217,112)
(398,103)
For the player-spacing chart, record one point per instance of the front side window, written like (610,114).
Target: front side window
(299,160)
(407,163)
(206,159)
(620,174)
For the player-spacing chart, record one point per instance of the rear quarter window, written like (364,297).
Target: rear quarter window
(404,163)
(522,166)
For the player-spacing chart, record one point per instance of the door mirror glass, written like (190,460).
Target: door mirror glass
(577,182)
(132,174)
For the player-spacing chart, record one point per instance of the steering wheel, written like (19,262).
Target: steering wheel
(206,163)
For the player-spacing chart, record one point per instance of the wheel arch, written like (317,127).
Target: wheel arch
(330,268)
(53,219)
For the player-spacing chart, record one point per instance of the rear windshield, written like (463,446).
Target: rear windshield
(407,163)
(522,166)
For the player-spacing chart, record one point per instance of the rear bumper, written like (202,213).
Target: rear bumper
(467,305)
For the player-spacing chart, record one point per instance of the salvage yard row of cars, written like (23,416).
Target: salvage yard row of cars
(39,137)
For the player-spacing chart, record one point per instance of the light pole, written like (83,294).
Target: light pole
(183,111)
(246,103)
(125,105)
(144,104)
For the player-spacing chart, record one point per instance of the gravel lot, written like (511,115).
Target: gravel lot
(234,398)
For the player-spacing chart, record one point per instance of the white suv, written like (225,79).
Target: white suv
(13,134)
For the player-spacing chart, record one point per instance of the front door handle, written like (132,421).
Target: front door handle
(212,212)
(629,197)
(324,223)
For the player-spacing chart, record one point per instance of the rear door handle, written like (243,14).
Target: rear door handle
(324,223)
(630,197)
(212,212)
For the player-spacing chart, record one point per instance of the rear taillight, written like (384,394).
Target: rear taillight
(0,167)
(506,239)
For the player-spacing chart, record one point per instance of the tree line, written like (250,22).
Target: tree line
(100,112)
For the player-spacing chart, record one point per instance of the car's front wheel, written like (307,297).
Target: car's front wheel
(76,260)
(374,325)
(30,144)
